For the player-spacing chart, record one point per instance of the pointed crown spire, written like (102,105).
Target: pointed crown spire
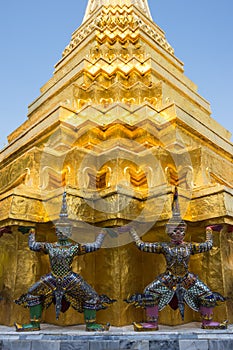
(176,219)
(63,225)
(64,213)
(93,5)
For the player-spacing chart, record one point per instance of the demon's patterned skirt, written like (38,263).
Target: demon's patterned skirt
(171,290)
(64,292)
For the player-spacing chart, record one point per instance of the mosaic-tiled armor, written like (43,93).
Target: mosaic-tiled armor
(176,286)
(62,286)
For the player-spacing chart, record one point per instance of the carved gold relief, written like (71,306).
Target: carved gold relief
(16,173)
(183,176)
(137,94)
(51,178)
(215,179)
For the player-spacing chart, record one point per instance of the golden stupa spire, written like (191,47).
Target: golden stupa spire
(117,126)
(117,18)
(93,5)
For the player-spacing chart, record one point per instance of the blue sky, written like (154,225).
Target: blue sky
(34,33)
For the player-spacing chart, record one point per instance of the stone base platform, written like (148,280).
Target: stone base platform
(186,337)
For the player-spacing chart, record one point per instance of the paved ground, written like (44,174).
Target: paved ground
(185,337)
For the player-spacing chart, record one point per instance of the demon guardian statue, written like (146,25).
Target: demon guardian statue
(62,286)
(177,285)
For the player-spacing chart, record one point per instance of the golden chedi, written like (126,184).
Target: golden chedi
(118,126)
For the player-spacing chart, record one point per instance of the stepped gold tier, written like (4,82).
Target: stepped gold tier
(118,126)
